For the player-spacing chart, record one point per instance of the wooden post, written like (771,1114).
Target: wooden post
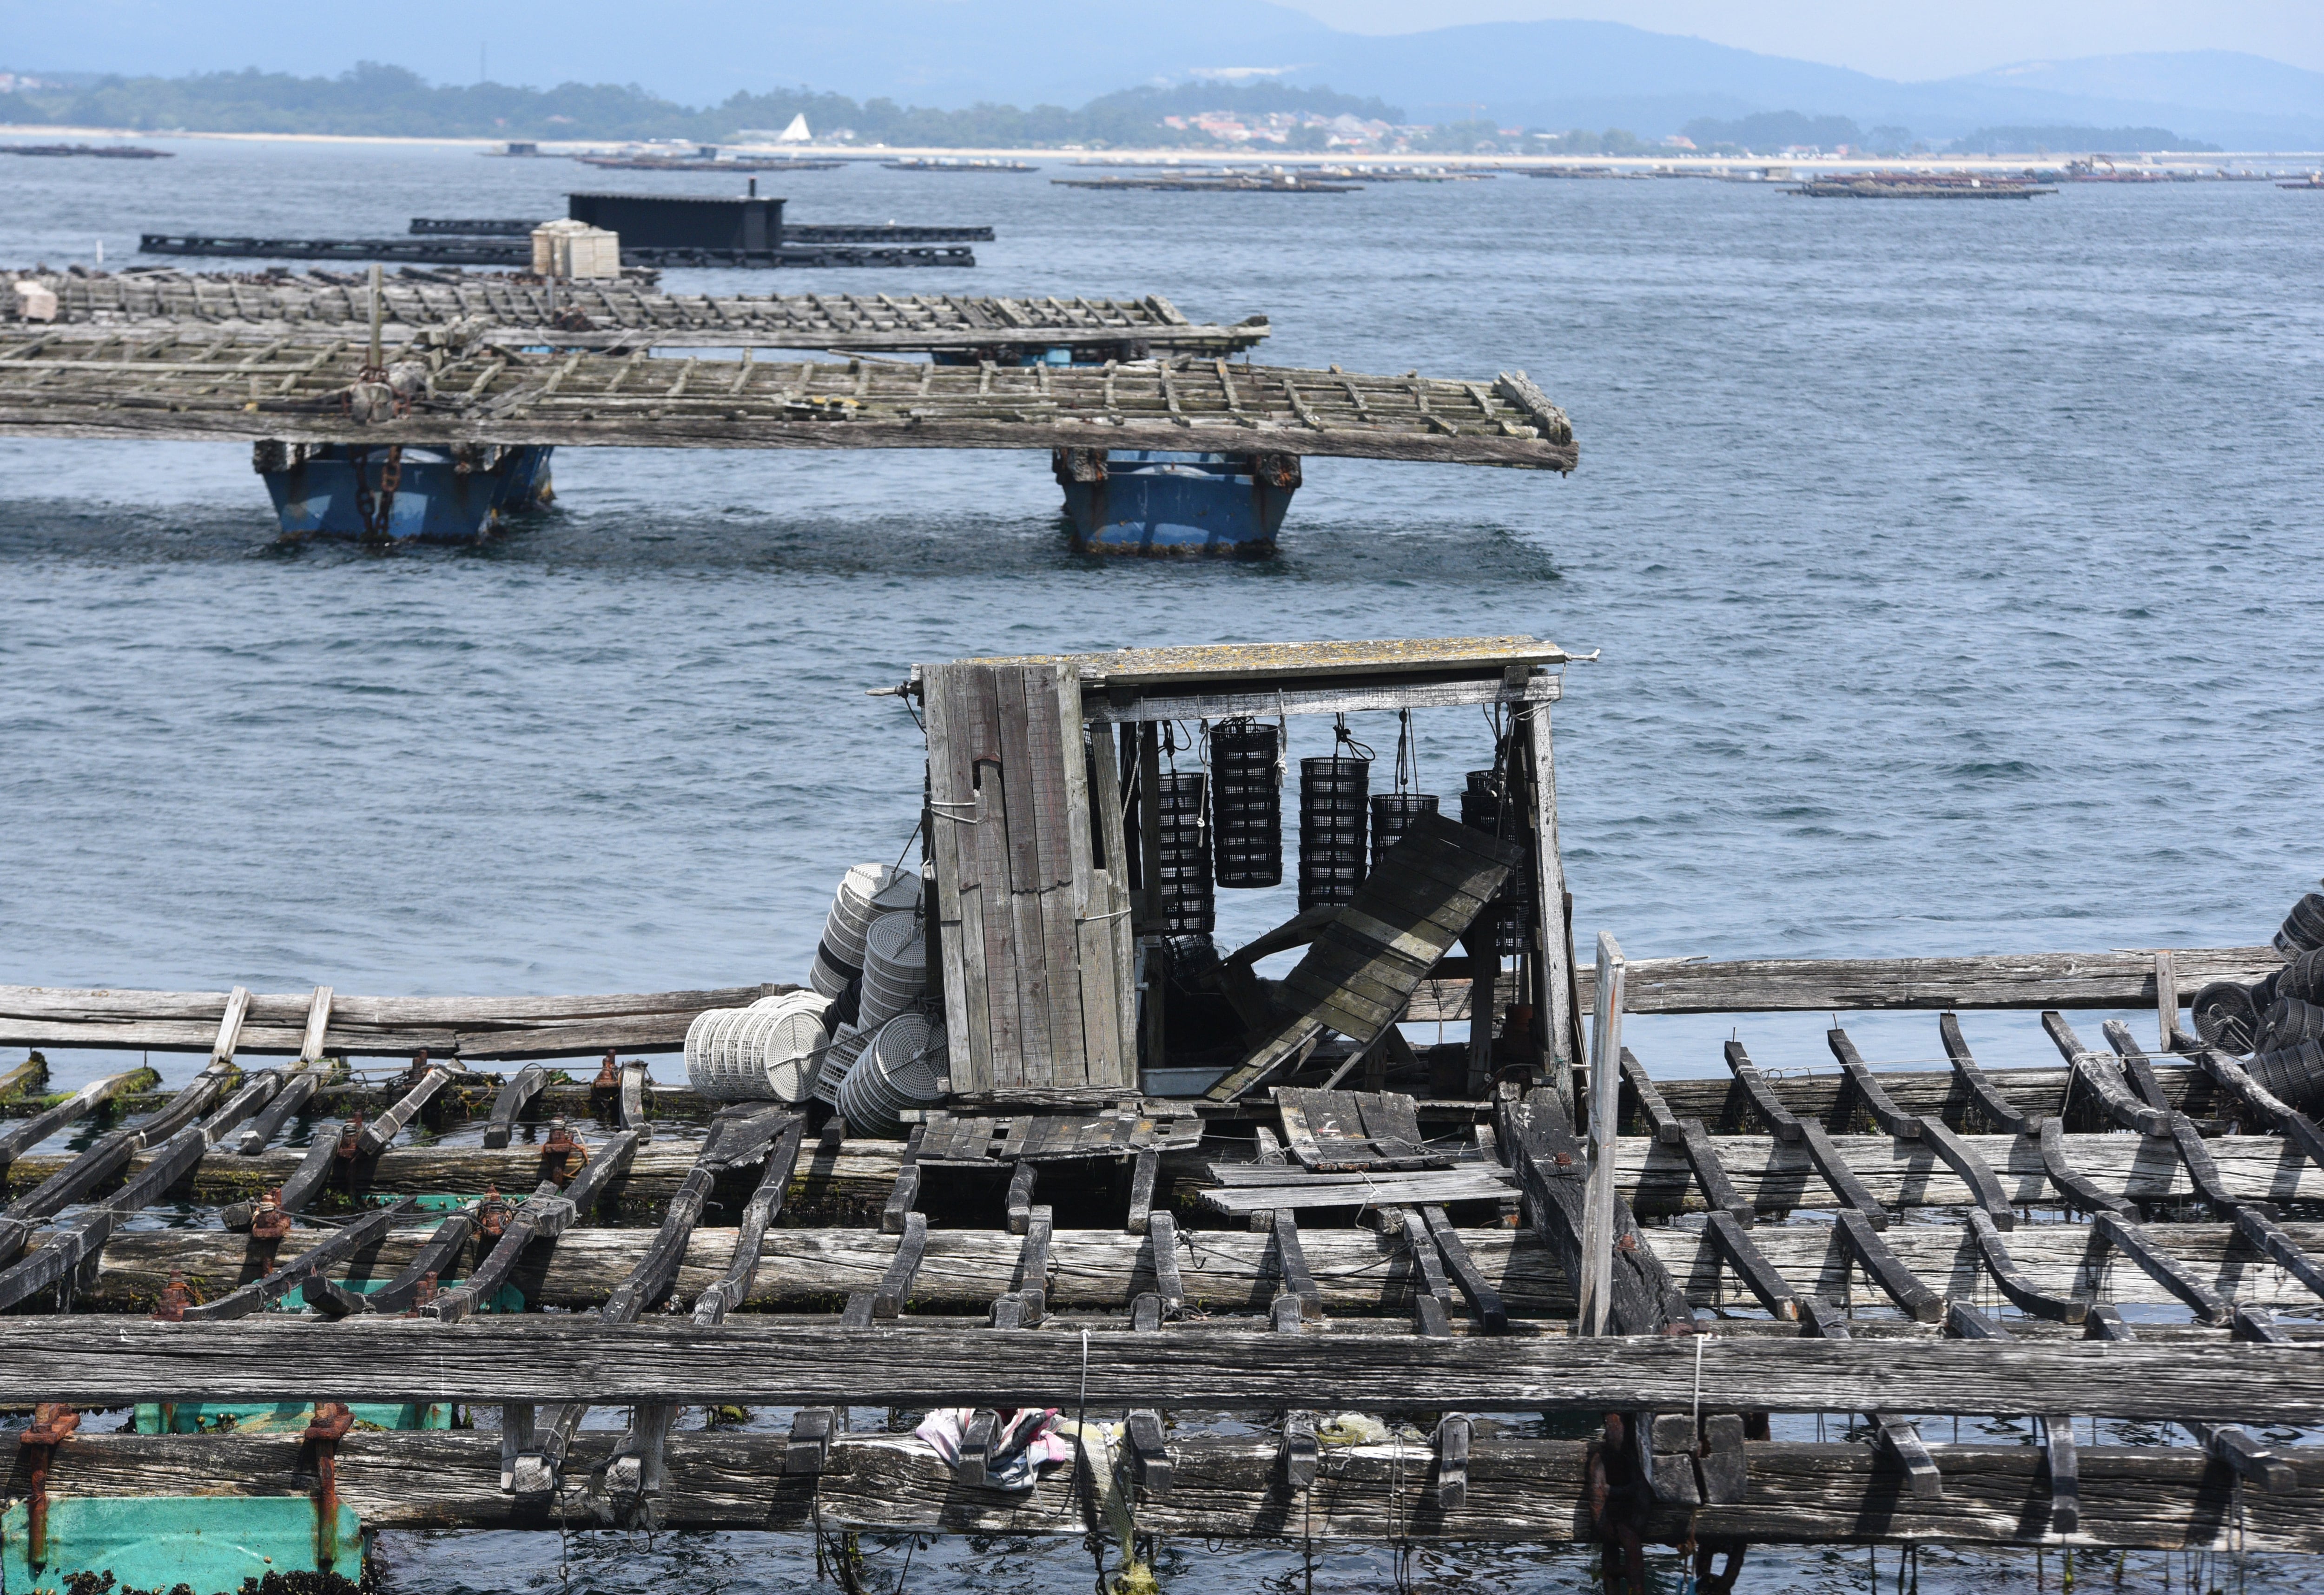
(1597,1282)
(319,1024)
(1149,828)
(376,308)
(1552,931)
(2166,999)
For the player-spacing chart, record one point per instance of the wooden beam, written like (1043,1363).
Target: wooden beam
(483,1028)
(112,1362)
(472,1027)
(1356,1271)
(1597,1284)
(1516,1490)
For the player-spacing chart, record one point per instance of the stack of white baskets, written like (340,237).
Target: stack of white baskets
(895,970)
(866,893)
(904,1067)
(771,1050)
(847,1045)
(890,1058)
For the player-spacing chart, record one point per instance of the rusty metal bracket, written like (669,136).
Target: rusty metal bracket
(331,1422)
(51,1422)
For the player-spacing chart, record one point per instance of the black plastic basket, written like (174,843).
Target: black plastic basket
(1246,805)
(1391,812)
(1334,812)
(1183,864)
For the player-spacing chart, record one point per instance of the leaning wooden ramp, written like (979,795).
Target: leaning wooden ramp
(1359,975)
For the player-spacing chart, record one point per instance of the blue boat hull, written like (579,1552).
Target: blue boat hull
(1149,502)
(442,495)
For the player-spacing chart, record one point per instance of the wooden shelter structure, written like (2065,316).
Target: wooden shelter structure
(1067,791)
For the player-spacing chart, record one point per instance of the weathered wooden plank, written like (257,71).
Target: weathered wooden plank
(985,874)
(1552,964)
(1398,899)
(2022,1293)
(1891,1174)
(1772,1112)
(87,1099)
(475,1027)
(1061,890)
(113,1361)
(1997,1110)
(1886,1269)
(1548,1161)
(510,1102)
(1222,1272)
(1518,1489)
(2102,1075)
(1355,698)
(1661,1122)
(2025,980)
(1597,1223)
(1719,1192)
(1734,1247)
(1121,934)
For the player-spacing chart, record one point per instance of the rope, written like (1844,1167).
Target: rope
(1698,1381)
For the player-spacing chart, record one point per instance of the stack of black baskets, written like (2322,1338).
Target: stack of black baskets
(1480,807)
(1391,812)
(1246,803)
(1189,907)
(1332,811)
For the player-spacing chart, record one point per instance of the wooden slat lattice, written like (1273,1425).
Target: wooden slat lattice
(200,383)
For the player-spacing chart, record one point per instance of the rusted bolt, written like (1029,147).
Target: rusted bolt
(331,1422)
(492,1213)
(564,1153)
(175,1299)
(51,1422)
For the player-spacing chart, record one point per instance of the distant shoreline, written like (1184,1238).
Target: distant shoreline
(1674,161)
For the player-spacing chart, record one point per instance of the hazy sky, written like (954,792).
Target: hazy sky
(1894,40)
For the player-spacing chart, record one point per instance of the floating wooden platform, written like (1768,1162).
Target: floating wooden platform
(1868,187)
(446,251)
(2106,1238)
(431,227)
(619,314)
(186,383)
(491,1028)
(1232,183)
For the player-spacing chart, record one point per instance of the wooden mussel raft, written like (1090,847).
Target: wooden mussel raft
(334,421)
(1178,1199)
(618,313)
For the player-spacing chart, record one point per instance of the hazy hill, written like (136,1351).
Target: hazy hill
(954,53)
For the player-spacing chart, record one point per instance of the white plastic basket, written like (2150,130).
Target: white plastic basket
(767,1052)
(866,892)
(847,1045)
(904,1067)
(895,970)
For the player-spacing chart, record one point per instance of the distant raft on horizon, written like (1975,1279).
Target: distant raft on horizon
(102,152)
(1922,185)
(956,163)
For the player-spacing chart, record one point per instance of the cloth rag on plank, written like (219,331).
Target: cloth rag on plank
(1026,1442)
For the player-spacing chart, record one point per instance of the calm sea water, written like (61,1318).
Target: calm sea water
(1952,568)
